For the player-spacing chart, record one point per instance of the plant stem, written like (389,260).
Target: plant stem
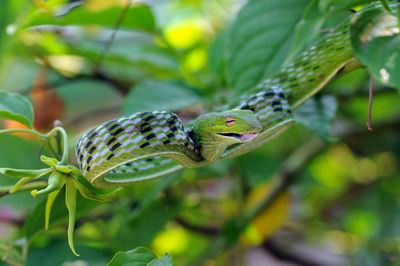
(64,159)
(26,187)
(22,130)
(385,5)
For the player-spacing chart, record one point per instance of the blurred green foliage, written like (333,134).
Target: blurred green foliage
(191,57)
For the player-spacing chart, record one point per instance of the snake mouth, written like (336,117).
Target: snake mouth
(244,137)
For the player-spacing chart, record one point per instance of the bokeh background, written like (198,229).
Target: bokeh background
(86,62)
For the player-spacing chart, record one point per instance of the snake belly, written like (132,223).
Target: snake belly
(151,144)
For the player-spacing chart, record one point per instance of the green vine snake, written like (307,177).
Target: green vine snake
(151,144)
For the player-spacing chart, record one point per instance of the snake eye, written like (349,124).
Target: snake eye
(230,121)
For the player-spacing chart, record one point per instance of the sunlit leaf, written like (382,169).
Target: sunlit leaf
(314,17)
(376,42)
(259,39)
(164,261)
(140,256)
(307,28)
(16,107)
(136,17)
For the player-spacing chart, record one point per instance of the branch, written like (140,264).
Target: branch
(385,5)
(211,231)
(116,29)
(290,170)
(287,175)
(286,255)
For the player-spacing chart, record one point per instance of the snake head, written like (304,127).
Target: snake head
(217,131)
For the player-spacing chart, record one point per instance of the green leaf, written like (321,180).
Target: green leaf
(376,43)
(93,96)
(259,40)
(159,95)
(57,252)
(16,107)
(317,115)
(136,17)
(140,256)
(313,19)
(164,261)
(307,28)
(216,52)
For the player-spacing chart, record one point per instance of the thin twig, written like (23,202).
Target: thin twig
(286,254)
(114,33)
(204,230)
(371,84)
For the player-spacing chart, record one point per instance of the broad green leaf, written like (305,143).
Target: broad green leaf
(12,80)
(137,17)
(164,261)
(16,107)
(140,256)
(376,43)
(259,40)
(317,115)
(92,97)
(307,28)
(57,252)
(333,6)
(159,95)
(133,56)
(216,57)
(19,153)
(314,18)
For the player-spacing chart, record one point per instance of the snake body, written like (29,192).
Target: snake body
(151,144)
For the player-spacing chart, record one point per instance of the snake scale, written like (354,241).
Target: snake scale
(151,144)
